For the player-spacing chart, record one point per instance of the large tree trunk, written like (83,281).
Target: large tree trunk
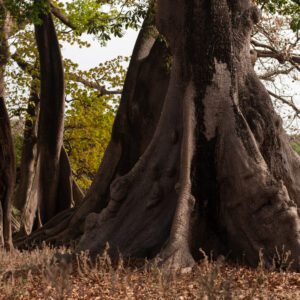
(7,159)
(216,174)
(198,157)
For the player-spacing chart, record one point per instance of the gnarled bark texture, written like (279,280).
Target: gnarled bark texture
(198,157)
(218,173)
(7,160)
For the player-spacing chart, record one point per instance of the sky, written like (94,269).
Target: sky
(92,56)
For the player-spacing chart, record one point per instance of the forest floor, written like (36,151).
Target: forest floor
(34,275)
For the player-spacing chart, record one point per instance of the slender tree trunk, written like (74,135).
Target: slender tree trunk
(50,130)
(7,159)
(47,187)
(29,151)
(7,175)
(26,197)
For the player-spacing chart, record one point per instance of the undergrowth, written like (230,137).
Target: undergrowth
(52,274)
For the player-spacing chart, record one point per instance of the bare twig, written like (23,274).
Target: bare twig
(269,75)
(94,85)
(289,103)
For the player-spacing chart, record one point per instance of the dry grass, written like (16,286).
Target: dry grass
(34,275)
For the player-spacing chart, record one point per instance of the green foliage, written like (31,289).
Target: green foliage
(296,143)
(15,212)
(18,143)
(90,116)
(18,82)
(104,19)
(288,8)
(87,133)
(296,147)
(27,11)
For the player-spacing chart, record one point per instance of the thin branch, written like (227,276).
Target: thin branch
(289,103)
(268,75)
(23,65)
(261,45)
(273,53)
(94,85)
(29,69)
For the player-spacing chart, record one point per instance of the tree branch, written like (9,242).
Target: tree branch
(270,74)
(61,16)
(279,56)
(94,85)
(273,53)
(289,103)
(261,45)
(23,65)
(29,69)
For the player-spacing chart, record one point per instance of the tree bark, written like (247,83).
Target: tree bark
(29,151)
(237,177)
(198,157)
(137,106)
(7,159)
(50,127)
(26,191)
(46,187)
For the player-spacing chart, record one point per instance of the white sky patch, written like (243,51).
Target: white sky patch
(90,57)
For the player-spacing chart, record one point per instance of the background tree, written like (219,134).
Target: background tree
(27,61)
(7,160)
(21,70)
